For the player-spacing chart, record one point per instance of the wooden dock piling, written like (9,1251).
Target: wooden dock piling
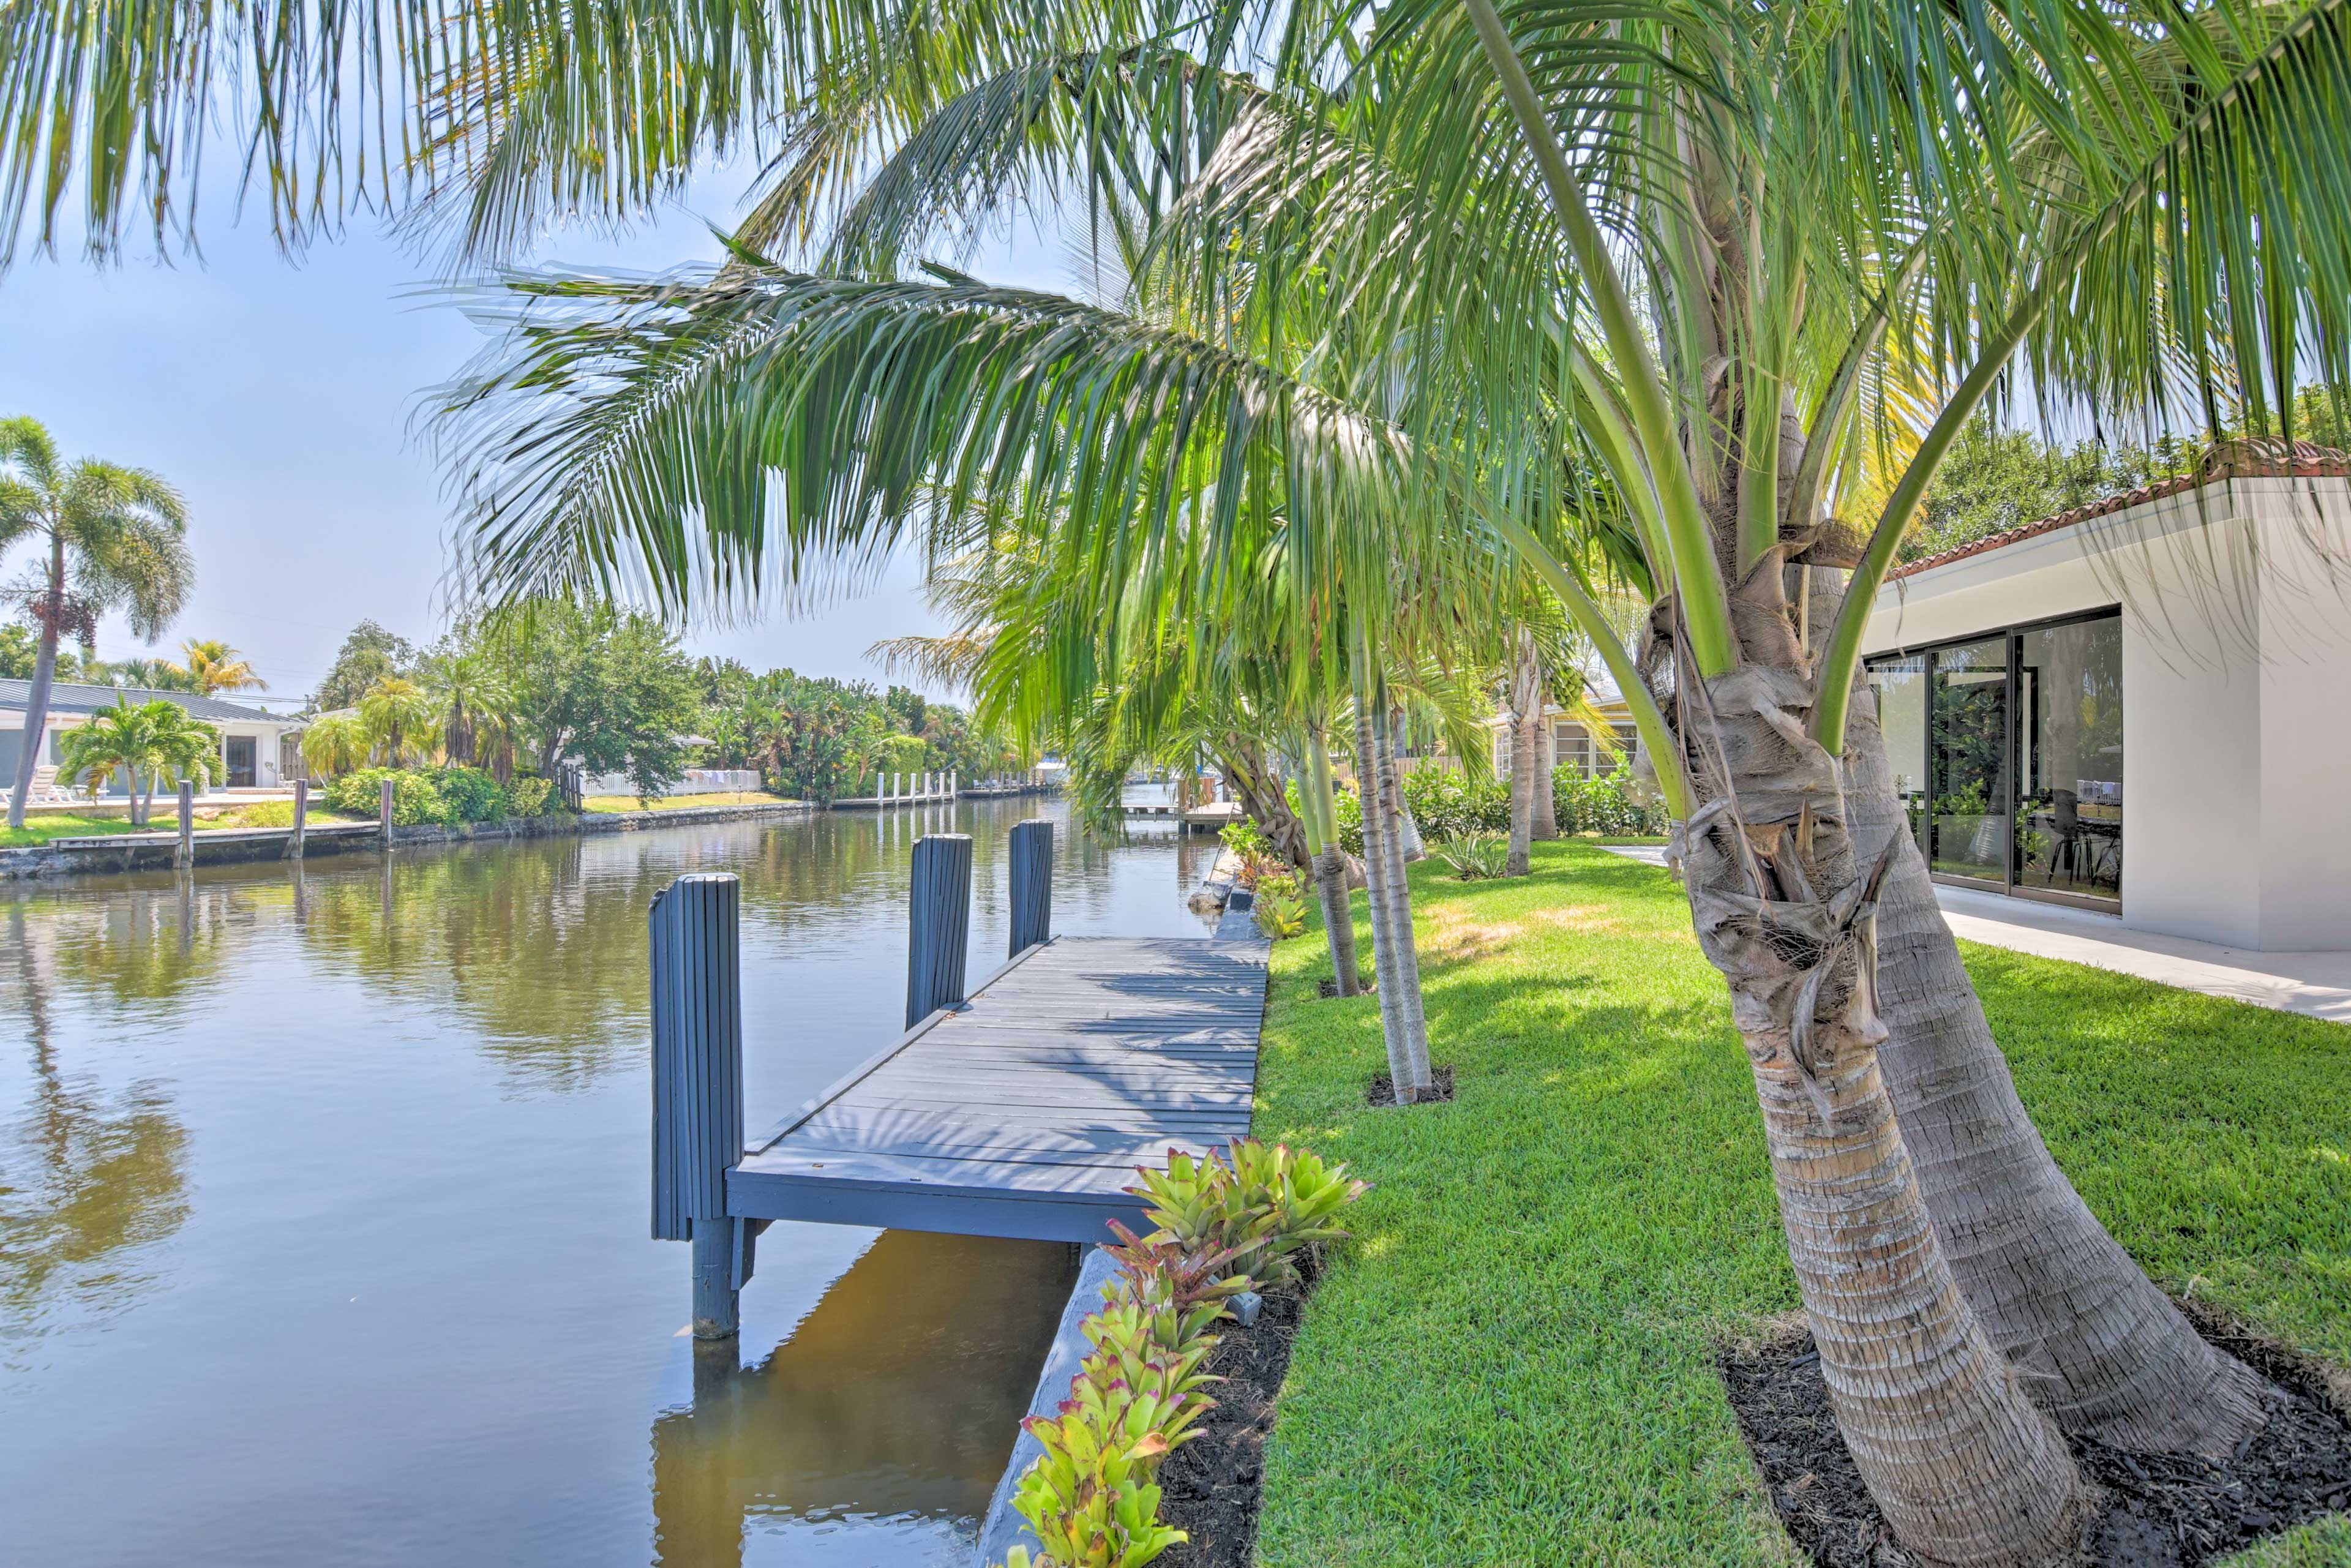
(185,855)
(384,812)
(939,924)
(697,1022)
(301,818)
(1032,883)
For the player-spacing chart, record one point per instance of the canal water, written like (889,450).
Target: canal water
(324,1207)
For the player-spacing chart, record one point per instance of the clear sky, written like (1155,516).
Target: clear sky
(280,396)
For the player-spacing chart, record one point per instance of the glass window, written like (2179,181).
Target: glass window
(1901,687)
(1968,777)
(2069,719)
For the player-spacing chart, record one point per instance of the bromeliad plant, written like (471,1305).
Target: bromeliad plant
(1281,907)
(1092,1499)
(1271,1202)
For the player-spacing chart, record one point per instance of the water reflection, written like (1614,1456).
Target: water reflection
(893,1403)
(322,1214)
(85,1174)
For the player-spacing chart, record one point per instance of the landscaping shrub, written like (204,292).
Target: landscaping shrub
(1281,907)
(1614,804)
(527,795)
(446,796)
(1450,805)
(1474,857)
(1092,1499)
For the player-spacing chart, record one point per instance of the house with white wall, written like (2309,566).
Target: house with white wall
(2141,707)
(256,748)
(1569,741)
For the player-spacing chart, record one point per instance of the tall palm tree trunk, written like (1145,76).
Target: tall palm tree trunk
(44,670)
(1383,913)
(1526,716)
(1966,1468)
(1407,830)
(2107,1352)
(1330,877)
(1416,1080)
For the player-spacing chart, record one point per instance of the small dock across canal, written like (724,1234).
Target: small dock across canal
(1019,1107)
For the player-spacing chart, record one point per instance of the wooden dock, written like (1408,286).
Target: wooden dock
(1020,1109)
(1025,1110)
(1207,817)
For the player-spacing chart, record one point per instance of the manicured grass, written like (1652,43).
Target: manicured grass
(1513,1362)
(677,802)
(40,829)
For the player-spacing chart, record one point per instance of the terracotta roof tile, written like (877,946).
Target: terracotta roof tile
(2228,460)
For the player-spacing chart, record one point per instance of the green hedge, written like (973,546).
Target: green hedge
(1449,805)
(446,796)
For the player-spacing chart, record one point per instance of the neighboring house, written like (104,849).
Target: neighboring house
(1567,742)
(2140,706)
(257,748)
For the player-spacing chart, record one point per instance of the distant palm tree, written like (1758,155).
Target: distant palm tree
(212,667)
(399,718)
(147,742)
(475,705)
(334,743)
(115,541)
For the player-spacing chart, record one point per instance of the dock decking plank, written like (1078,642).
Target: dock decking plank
(1025,1111)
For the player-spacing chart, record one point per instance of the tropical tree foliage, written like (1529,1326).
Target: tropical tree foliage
(369,654)
(211,667)
(111,540)
(149,743)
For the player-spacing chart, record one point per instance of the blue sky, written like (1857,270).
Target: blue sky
(279,396)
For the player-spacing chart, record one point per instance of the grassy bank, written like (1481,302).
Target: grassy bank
(1511,1363)
(679,802)
(42,828)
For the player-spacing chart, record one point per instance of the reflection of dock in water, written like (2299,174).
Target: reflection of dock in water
(898,1397)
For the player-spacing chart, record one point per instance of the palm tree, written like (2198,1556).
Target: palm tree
(335,743)
(212,667)
(113,541)
(468,689)
(398,719)
(147,742)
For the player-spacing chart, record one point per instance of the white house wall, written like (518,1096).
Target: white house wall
(2236,671)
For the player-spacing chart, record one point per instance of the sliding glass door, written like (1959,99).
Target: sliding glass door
(2007,751)
(2069,717)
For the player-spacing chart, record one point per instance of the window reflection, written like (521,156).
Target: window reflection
(1967,760)
(1901,687)
(2069,819)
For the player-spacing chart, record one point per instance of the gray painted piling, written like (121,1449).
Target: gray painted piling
(697,1025)
(939,924)
(1003,1530)
(185,855)
(301,818)
(1032,884)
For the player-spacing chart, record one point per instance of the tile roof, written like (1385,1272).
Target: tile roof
(67,696)
(2228,460)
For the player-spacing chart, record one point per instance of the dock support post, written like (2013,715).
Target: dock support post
(301,818)
(1032,884)
(384,812)
(697,1019)
(939,924)
(185,855)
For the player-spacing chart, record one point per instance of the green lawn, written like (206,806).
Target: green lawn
(40,829)
(1511,1363)
(678,802)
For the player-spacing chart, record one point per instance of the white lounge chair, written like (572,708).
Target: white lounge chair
(47,790)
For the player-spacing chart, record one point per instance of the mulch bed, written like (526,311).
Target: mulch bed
(1328,989)
(1211,1488)
(2159,1510)
(1380,1090)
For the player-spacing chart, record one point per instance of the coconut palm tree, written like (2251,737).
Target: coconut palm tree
(469,690)
(112,539)
(211,667)
(147,743)
(1754,270)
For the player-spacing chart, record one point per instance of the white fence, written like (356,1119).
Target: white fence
(697,782)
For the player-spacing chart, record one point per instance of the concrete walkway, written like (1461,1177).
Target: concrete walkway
(2315,984)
